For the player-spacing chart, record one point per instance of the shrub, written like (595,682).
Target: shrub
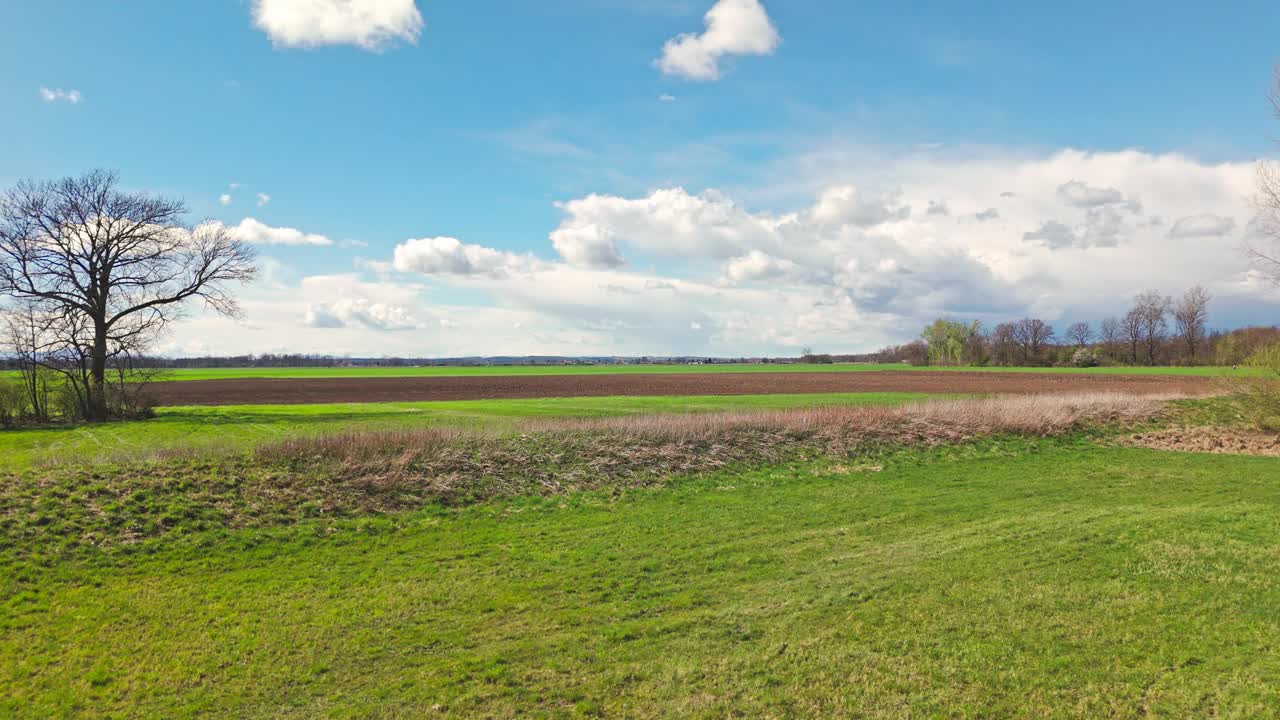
(1085,358)
(1258,397)
(13,403)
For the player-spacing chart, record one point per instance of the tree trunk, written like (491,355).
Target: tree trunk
(98,374)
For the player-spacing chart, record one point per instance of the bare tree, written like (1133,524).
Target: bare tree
(1031,335)
(1080,334)
(23,336)
(1267,259)
(1192,317)
(115,267)
(1152,310)
(1131,330)
(1110,336)
(1003,345)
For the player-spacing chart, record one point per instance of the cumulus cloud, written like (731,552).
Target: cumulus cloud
(224,199)
(1205,225)
(848,268)
(1102,227)
(582,242)
(263,199)
(367,24)
(757,266)
(359,311)
(72,97)
(1081,194)
(253,231)
(733,27)
(669,222)
(1053,234)
(667,97)
(845,204)
(450,256)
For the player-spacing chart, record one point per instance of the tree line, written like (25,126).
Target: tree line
(1156,330)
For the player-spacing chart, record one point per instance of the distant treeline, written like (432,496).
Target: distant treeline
(1157,330)
(1010,349)
(298,360)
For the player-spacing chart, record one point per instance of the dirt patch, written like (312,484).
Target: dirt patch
(294,391)
(1224,440)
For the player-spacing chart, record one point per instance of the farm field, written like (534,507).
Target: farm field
(502,370)
(390,389)
(507,370)
(244,426)
(1002,578)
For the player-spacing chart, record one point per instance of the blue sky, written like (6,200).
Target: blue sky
(784,198)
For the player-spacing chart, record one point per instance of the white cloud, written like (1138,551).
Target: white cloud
(1053,234)
(669,222)
(224,199)
(733,27)
(72,97)
(851,268)
(253,231)
(367,24)
(360,311)
(263,199)
(667,97)
(1081,194)
(449,256)
(1206,225)
(757,266)
(846,205)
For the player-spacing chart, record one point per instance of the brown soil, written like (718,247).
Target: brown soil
(293,391)
(1223,440)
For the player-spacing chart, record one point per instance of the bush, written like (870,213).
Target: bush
(1085,358)
(13,403)
(1258,397)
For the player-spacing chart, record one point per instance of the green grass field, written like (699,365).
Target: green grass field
(240,427)
(1008,578)
(461,371)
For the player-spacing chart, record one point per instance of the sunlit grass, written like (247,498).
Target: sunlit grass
(1009,579)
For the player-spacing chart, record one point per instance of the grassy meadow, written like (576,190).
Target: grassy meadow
(1002,578)
(751,556)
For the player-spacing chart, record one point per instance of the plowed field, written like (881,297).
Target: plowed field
(295,391)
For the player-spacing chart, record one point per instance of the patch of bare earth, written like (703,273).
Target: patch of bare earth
(1209,439)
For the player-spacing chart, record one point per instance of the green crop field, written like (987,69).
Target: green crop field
(500,370)
(240,427)
(1005,578)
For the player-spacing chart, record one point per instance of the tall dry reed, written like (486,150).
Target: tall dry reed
(560,455)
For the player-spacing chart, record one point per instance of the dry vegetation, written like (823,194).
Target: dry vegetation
(379,472)
(406,467)
(1209,439)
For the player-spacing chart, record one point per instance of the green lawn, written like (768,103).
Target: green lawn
(238,427)
(1005,579)
(231,373)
